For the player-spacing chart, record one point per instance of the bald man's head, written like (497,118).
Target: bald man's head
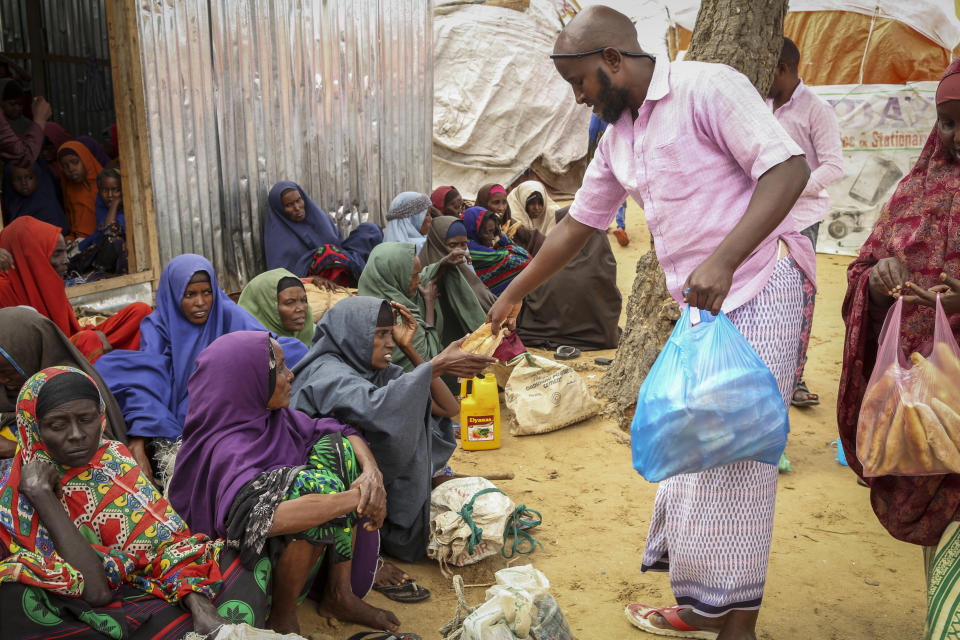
(596,27)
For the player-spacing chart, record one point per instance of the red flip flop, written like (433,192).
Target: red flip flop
(639,614)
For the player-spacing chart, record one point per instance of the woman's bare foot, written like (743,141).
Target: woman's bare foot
(284,623)
(389,575)
(342,604)
(206,620)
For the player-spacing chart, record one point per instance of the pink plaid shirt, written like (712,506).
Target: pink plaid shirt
(813,125)
(691,159)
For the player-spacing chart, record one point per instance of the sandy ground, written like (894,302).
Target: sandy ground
(834,572)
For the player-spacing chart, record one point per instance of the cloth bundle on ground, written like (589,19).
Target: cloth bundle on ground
(42,204)
(241,450)
(259,298)
(920,226)
(31,342)
(457,311)
(452,539)
(151,384)
(35,283)
(442,229)
(390,408)
(578,306)
(315,245)
(150,558)
(497,266)
(322,300)
(405,218)
(80,198)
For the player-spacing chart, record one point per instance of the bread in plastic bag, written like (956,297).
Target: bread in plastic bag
(909,421)
(708,401)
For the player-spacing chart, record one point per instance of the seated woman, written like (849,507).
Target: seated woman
(280,484)
(408,219)
(299,236)
(913,251)
(78,179)
(493,196)
(88,544)
(532,207)
(278,300)
(151,383)
(40,259)
(438,296)
(580,305)
(30,342)
(106,248)
(446,236)
(32,192)
(496,258)
(349,376)
(448,201)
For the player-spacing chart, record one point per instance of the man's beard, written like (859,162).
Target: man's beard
(612,101)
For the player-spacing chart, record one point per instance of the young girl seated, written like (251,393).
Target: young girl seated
(494,198)
(299,236)
(349,375)
(151,384)
(448,235)
(32,192)
(40,260)
(448,201)
(496,258)
(532,207)
(106,248)
(299,491)
(90,548)
(78,179)
(278,300)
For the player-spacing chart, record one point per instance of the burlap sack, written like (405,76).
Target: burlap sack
(545,396)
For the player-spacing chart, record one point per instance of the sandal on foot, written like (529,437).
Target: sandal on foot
(802,396)
(567,353)
(639,614)
(383,635)
(407,592)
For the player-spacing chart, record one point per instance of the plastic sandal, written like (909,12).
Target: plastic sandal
(567,353)
(383,635)
(639,614)
(407,592)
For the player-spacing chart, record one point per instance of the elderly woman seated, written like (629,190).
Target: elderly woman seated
(349,375)
(278,300)
(89,548)
(275,482)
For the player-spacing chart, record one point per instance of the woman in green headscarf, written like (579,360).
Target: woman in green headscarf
(278,301)
(444,305)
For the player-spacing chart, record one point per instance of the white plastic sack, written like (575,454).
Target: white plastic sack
(449,533)
(510,605)
(545,396)
(246,632)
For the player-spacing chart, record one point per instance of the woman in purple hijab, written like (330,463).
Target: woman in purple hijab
(288,490)
(300,237)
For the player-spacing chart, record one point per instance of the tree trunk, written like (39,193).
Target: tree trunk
(747,36)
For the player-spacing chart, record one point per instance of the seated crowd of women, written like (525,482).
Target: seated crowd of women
(292,454)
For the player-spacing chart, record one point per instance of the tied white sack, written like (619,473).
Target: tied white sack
(519,605)
(545,396)
(449,532)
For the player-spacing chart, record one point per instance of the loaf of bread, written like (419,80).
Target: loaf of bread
(482,341)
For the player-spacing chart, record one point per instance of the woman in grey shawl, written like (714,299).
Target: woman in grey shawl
(348,375)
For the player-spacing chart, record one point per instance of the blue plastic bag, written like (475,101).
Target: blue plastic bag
(709,400)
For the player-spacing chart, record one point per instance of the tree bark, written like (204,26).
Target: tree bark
(747,36)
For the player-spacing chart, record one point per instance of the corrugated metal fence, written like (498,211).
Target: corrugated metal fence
(76,60)
(336,95)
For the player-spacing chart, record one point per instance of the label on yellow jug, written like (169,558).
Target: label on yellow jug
(480,428)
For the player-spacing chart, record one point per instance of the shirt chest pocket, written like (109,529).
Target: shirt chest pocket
(671,171)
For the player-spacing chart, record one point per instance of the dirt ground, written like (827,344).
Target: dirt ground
(834,572)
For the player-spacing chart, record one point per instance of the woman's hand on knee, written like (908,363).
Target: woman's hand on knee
(373,497)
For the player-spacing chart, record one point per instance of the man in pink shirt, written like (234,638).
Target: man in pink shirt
(696,146)
(813,125)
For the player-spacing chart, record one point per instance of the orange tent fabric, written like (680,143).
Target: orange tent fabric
(831,47)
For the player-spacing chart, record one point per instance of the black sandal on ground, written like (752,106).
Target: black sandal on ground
(806,398)
(409,591)
(567,353)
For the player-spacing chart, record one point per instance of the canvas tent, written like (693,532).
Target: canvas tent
(499,104)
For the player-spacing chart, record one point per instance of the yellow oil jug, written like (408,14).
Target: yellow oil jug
(479,414)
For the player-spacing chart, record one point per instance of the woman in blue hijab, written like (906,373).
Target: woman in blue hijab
(33,192)
(151,384)
(300,237)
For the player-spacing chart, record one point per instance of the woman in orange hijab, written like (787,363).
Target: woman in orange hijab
(36,280)
(78,178)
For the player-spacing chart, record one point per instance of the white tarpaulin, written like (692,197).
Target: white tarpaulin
(884,127)
(499,103)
